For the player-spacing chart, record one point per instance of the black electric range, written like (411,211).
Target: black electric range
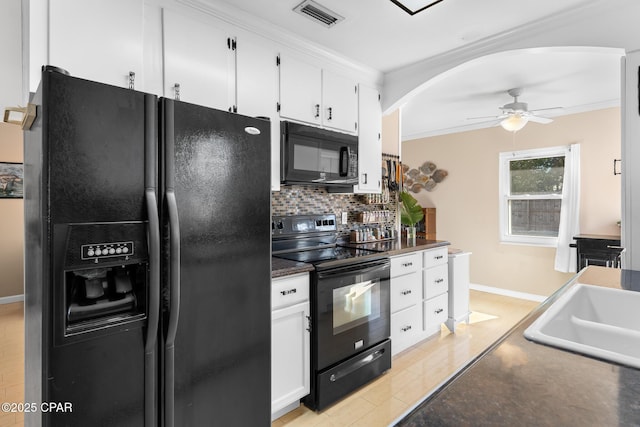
(349,303)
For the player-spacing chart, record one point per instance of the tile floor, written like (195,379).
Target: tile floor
(415,372)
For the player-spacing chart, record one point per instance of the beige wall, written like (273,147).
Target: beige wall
(467,200)
(11,219)
(391,133)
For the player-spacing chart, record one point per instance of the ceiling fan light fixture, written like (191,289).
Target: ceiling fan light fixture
(514,122)
(414,6)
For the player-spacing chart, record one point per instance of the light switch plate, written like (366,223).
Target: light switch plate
(344,217)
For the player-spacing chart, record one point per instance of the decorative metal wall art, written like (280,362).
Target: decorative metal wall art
(424,177)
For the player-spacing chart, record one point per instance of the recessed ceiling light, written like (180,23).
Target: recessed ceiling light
(414,6)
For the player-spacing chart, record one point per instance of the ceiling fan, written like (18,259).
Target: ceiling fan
(515,115)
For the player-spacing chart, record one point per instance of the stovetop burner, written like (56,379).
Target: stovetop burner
(327,254)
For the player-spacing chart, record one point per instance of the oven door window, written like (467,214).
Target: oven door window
(355,304)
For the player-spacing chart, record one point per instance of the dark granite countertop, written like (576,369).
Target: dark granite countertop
(519,382)
(283,267)
(400,246)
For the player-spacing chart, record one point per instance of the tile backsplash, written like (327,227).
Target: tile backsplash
(306,199)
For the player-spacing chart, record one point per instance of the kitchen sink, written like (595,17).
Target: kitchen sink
(593,320)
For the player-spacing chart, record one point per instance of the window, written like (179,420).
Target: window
(531,184)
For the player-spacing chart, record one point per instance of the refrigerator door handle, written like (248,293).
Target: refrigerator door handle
(174,307)
(154,307)
(153,233)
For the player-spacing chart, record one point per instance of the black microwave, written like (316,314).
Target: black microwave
(310,155)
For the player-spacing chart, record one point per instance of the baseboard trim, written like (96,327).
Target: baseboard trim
(507,292)
(12,298)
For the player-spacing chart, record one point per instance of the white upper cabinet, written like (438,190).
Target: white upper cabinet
(313,95)
(257,92)
(300,90)
(369,141)
(97,40)
(339,102)
(11,91)
(256,78)
(199,62)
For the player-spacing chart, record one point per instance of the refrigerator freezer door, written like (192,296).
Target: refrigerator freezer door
(87,191)
(217,167)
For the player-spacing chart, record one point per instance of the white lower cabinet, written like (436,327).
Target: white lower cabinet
(458,289)
(435,313)
(290,343)
(419,303)
(436,285)
(406,298)
(436,281)
(406,328)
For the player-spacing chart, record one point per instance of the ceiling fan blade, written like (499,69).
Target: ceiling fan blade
(487,123)
(538,119)
(500,117)
(546,109)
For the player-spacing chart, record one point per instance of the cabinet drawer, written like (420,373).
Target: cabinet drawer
(406,327)
(405,264)
(436,281)
(289,290)
(433,257)
(435,311)
(405,291)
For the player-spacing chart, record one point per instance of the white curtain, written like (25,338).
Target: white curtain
(569,212)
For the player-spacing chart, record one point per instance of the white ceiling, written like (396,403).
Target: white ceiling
(575,79)
(380,35)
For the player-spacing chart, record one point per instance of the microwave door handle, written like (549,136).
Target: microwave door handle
(344,161)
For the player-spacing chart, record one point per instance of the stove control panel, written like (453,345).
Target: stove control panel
(104,250)
(303,224)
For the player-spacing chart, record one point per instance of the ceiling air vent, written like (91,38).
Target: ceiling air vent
(318,13)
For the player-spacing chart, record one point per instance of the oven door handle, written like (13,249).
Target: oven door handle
(357,365)
(360,268)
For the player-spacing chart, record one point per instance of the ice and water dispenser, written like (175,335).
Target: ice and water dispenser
(104,274)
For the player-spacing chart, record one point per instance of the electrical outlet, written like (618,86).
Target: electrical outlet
(344,217)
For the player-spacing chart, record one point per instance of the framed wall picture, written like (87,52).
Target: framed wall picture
(11,180)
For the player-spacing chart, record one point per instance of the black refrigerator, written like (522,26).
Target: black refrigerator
(147,260)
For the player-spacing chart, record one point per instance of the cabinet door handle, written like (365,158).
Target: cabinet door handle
(330,113)
(406,328)
(439,280)
(438,311)
(317,111)
(132,80)
(406,292)
(308,323)
(289,291)
(176,91)
(364,178)
(438,257)
(407,264)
